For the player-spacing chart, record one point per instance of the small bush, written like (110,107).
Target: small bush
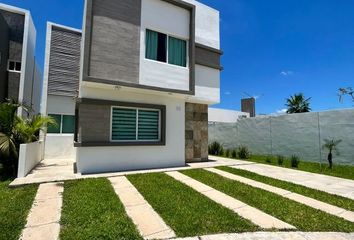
(216,148)
(227,153)
(295,161)
(268,159)
(234,153)
(243,152)
(280,160)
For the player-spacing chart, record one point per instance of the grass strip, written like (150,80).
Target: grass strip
(14,208)
(335,200)
(342,171)
(92,210)
(186,211)
(304,218)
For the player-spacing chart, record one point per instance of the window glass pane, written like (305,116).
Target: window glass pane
(68,124)
(123,124)
(11,65)
(151,45)
(162,47)
(148,125)
(177,52)
(156,46)
(54,128)
(18,66)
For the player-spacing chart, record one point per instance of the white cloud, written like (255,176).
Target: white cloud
(228,93)
(282,111)
(286,73)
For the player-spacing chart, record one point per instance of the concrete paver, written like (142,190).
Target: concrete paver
(43,219)
(334,185)
(254,215)
(148,222)
(276,236)
(328,208)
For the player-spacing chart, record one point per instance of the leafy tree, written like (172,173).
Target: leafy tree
(332,146)
(15,131)
(298,104)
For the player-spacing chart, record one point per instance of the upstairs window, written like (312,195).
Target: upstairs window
(173,51)
(14,66)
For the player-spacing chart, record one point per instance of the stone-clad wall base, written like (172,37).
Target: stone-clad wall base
(196,132)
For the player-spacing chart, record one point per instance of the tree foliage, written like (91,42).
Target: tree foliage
(298,104)
(15,130)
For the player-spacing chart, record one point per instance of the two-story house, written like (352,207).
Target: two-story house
(149,69)
(20,78)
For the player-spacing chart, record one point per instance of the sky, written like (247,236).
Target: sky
(272,49)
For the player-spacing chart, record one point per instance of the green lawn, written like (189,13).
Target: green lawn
(14,207)
(342,171)
(336,200)
(304,218)
(92,210)
(186,211)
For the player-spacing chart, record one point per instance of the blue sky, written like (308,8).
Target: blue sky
(272,49)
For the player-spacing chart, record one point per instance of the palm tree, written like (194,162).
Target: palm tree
(15,130)
(346,92)
(298,104)
(332,146)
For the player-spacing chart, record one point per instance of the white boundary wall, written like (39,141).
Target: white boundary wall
(300,134)
(30,155)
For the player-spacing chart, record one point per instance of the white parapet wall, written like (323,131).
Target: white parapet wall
(225,116)
(30,155)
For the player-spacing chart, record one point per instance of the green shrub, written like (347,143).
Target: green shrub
(215,148)
(295,161)
(234,153)
(280,160)
(268,159)
(243,152)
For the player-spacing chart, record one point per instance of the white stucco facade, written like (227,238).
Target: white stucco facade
(115,158)
(176,22)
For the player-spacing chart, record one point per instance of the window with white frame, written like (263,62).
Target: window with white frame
(14,66)
(135,124)
(164,48)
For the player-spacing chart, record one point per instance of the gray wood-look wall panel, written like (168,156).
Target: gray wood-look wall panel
(115,40)
(207,57)
(64,63)
(94,123)
(4,52)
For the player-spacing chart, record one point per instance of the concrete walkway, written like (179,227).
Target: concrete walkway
(254,215)
(43,219)
(334,185)
(58,170)
(148,222)
(325,207)
(276,236)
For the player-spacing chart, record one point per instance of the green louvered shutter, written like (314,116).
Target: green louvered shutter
(148,125)
(124,124)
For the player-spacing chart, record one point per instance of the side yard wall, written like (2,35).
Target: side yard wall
(30,155)
(300,134)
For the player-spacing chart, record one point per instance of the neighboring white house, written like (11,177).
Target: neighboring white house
(60,89)
(144,86)
(225,115)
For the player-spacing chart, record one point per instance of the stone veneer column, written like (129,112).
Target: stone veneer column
(196,132)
